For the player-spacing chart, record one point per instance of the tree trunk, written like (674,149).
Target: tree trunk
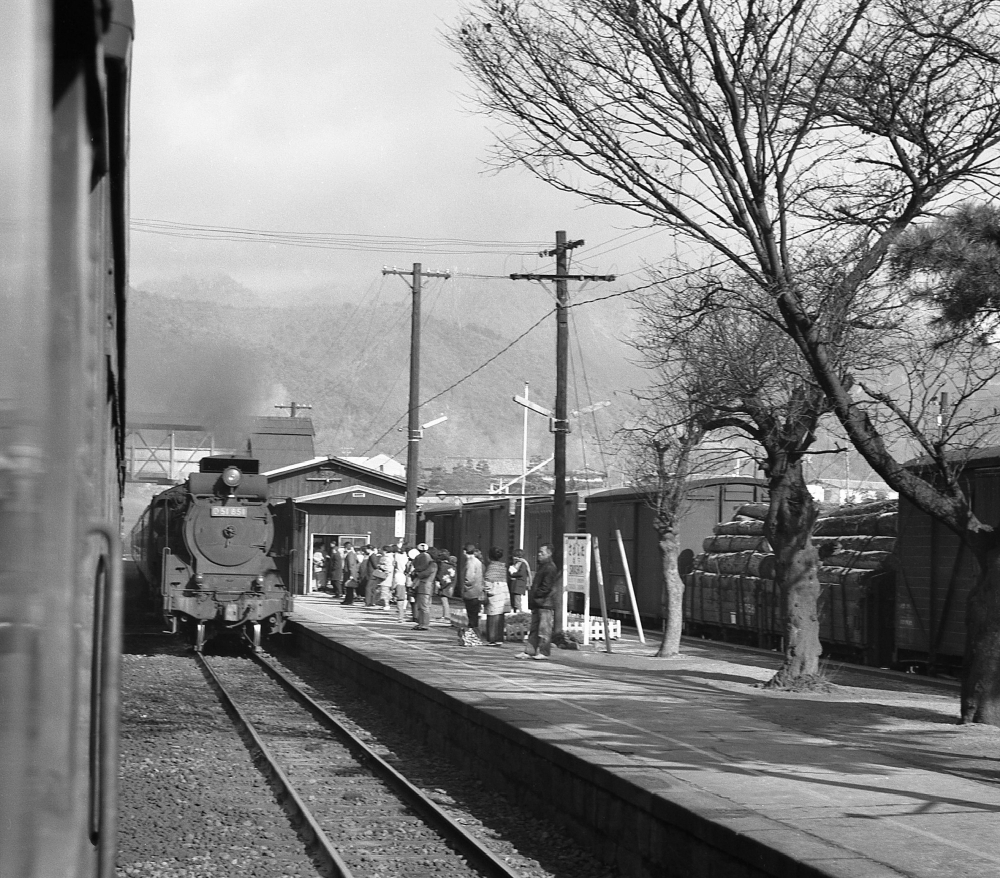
(789,525)
(672,601)
(981,668)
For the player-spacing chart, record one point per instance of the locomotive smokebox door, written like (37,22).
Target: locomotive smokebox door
(228,536)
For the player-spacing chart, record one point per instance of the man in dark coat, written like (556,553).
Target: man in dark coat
(352,569)
(335,571)
(424,571)
(542,603)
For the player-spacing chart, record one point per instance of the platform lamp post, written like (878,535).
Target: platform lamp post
(412,458)
(548,413)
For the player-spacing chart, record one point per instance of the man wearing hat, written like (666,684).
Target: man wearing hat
(424,572)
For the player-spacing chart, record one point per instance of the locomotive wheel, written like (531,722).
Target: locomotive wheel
(255,636)
(199,641)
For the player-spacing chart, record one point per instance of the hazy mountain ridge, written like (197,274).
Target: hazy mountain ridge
(217,349)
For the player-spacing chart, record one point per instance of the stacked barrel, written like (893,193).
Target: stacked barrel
(731,588)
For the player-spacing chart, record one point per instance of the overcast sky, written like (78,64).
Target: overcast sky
(334,117)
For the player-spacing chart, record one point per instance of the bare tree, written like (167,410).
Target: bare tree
(661,446)
(796,142)
(731,364)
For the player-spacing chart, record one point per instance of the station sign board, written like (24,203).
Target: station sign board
(576,562)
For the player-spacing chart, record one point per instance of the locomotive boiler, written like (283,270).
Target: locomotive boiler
(206,550)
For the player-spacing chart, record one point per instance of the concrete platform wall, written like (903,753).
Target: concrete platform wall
(642,834)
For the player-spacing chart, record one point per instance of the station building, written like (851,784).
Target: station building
(331,501)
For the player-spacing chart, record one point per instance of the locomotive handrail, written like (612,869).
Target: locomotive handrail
(110,700)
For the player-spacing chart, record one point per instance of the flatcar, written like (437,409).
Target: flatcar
(207,549)
(63,282)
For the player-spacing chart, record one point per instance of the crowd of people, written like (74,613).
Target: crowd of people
(406,580)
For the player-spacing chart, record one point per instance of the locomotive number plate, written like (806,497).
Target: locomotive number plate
(229,512)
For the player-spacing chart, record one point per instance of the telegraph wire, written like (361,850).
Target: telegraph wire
(334,241)
(590,396)
(464,378)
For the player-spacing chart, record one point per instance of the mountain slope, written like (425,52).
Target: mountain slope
(227,360)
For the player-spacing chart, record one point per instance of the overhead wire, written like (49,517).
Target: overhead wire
(391,329)
(334,241)
(590,398)
(464,378)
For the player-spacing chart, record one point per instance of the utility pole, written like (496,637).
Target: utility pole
(559,424)
(414,431)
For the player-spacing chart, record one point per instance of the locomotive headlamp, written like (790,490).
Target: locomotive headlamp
(232,476)
(199,579)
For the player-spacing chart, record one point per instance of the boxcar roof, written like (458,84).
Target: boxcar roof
(980,457)
(631,493)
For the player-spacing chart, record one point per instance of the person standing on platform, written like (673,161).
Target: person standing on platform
(387,566)
(372,576)
(542,603)
(335,572)
(424,571)
(319,570)
(497,597)
(472,585)
(518,579)
(399,583)
(352,572)
(446,582)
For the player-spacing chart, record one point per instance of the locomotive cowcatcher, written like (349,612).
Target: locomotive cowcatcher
(205,547)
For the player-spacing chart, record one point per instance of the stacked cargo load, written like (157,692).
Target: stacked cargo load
(731,588)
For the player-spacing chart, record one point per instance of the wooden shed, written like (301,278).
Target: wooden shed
(710,501)
(329,501)
(936,571)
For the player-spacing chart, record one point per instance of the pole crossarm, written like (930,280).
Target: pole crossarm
(410,272)
(294,407)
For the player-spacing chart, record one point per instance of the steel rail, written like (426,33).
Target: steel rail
(326,850)
(479,856)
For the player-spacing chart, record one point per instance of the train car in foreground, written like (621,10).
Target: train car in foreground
(206,548)
(63,281)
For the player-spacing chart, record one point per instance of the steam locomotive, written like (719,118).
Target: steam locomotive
(205,548)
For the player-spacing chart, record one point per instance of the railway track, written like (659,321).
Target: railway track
(359,814)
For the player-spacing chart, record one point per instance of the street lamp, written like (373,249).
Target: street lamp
(555,426)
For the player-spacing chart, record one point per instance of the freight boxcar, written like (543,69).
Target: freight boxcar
(452,523)
(710,501)
(936,572)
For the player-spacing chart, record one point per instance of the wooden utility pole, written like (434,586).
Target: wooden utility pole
(414,432)
(559,424)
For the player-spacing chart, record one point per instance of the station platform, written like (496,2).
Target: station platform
(683,767)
